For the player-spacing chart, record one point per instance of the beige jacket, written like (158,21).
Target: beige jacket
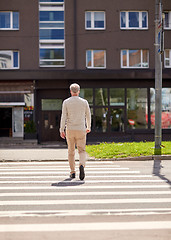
(75,114)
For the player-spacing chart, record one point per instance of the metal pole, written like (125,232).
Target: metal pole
(158,85)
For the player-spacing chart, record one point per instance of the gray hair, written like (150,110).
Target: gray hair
(74,88)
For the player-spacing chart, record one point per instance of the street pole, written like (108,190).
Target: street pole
(158,80)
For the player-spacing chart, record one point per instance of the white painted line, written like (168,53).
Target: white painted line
(103,193)
(57,162)
(58,169)
(86,181)
(84,212)
(84,201)
(66,173)
(57,188)
(87,176)
(28,163)
(142,214)
(93,226)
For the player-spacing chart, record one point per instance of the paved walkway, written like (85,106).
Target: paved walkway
(34,154)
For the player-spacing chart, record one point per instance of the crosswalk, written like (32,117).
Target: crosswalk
(35,189)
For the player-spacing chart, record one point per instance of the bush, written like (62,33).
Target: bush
(30,127)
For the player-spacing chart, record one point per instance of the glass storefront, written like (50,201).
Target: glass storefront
(107,108)
(120,109)
(166,108)
(101,97)
(117,120)
(137,113)
(101,115)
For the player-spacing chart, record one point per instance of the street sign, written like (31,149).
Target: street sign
(160,31)
(161,42)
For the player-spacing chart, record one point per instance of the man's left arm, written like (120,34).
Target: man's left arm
(88,118)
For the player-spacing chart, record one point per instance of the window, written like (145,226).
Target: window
(51,57)
(167,58)
(51,33)
(95,20)
(96,59)
(101,97)
(51,104)
(117,96)
(137,114)
(134,58)
(52,15)
(101,116)
(9,20)
(134,20)
(167,20)
(87,93)
(51,1)
(166,108)
(9,60)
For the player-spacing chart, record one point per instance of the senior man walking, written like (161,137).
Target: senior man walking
(76,120)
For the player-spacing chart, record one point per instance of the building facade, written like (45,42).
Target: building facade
(105,46)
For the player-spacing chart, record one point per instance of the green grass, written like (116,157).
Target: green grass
(122,150)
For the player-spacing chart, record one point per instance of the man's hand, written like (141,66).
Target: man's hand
(88,131)
(62,134)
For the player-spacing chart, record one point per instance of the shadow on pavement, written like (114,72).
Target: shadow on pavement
(157,171)
(68,182)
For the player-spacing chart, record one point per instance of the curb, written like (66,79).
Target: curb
(142,158)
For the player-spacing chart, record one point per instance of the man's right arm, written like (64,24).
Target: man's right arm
(88,118)
(63,120)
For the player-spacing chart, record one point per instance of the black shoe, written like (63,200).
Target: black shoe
(82,174)
(72,175)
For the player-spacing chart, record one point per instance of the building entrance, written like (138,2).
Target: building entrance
(48,114)
(50,125)
(5,122)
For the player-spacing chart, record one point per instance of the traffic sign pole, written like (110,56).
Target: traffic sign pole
(158,76)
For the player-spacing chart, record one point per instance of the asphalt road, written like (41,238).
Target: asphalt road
(118,200)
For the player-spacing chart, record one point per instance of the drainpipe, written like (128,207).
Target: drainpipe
(75,34)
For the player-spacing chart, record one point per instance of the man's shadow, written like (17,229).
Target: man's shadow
(68,182)
(157,171)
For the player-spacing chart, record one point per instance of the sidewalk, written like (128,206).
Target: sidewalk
(60,154)
(34,154)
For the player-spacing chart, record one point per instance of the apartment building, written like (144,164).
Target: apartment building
(105,46)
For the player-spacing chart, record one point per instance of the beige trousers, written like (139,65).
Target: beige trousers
(78,138)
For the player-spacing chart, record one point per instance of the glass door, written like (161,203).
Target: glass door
(116,120)
(51,115)
(51,124)
(18,122)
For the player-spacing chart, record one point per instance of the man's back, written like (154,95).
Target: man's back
(74,114)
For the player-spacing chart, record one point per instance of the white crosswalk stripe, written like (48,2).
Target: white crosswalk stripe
(47,213)
(77,187)
(87,181)
(35,188)
(70,227)
(86,202)
(83,193)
